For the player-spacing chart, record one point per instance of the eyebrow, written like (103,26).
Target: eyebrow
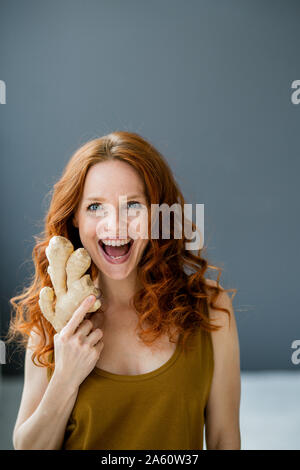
(96,198)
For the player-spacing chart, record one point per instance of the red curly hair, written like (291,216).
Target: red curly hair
(169,297)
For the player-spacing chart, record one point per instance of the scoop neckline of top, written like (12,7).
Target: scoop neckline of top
(147,375)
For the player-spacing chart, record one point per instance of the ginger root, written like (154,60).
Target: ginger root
(66,269)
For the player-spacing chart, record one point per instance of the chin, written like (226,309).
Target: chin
(117,275)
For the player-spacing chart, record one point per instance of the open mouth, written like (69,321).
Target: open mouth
(116,254)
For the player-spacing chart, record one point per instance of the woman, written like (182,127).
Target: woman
(115,384)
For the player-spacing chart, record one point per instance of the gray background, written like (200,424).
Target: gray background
(209,84)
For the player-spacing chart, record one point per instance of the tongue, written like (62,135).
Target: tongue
(117,250)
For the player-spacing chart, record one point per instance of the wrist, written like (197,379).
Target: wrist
(63,384)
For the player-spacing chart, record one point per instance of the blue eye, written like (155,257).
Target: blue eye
(135,202)
(97,204)
(94,204)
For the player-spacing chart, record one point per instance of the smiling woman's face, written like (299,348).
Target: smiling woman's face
(99,217)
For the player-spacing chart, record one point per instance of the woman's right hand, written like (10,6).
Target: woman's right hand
(77,347)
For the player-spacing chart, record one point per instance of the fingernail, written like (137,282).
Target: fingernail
(91,299)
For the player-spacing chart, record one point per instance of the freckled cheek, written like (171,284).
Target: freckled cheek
(87,228)
(141,246)
(139,231)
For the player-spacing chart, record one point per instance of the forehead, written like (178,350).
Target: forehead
(111,178)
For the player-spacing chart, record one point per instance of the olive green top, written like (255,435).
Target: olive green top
(162,409)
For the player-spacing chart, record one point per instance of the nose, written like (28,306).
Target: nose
(111,225)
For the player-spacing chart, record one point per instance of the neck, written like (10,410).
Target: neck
(116,294)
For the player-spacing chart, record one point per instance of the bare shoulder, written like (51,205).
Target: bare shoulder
(222,301)
(222,409)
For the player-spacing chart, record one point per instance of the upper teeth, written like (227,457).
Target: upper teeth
(116,242)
